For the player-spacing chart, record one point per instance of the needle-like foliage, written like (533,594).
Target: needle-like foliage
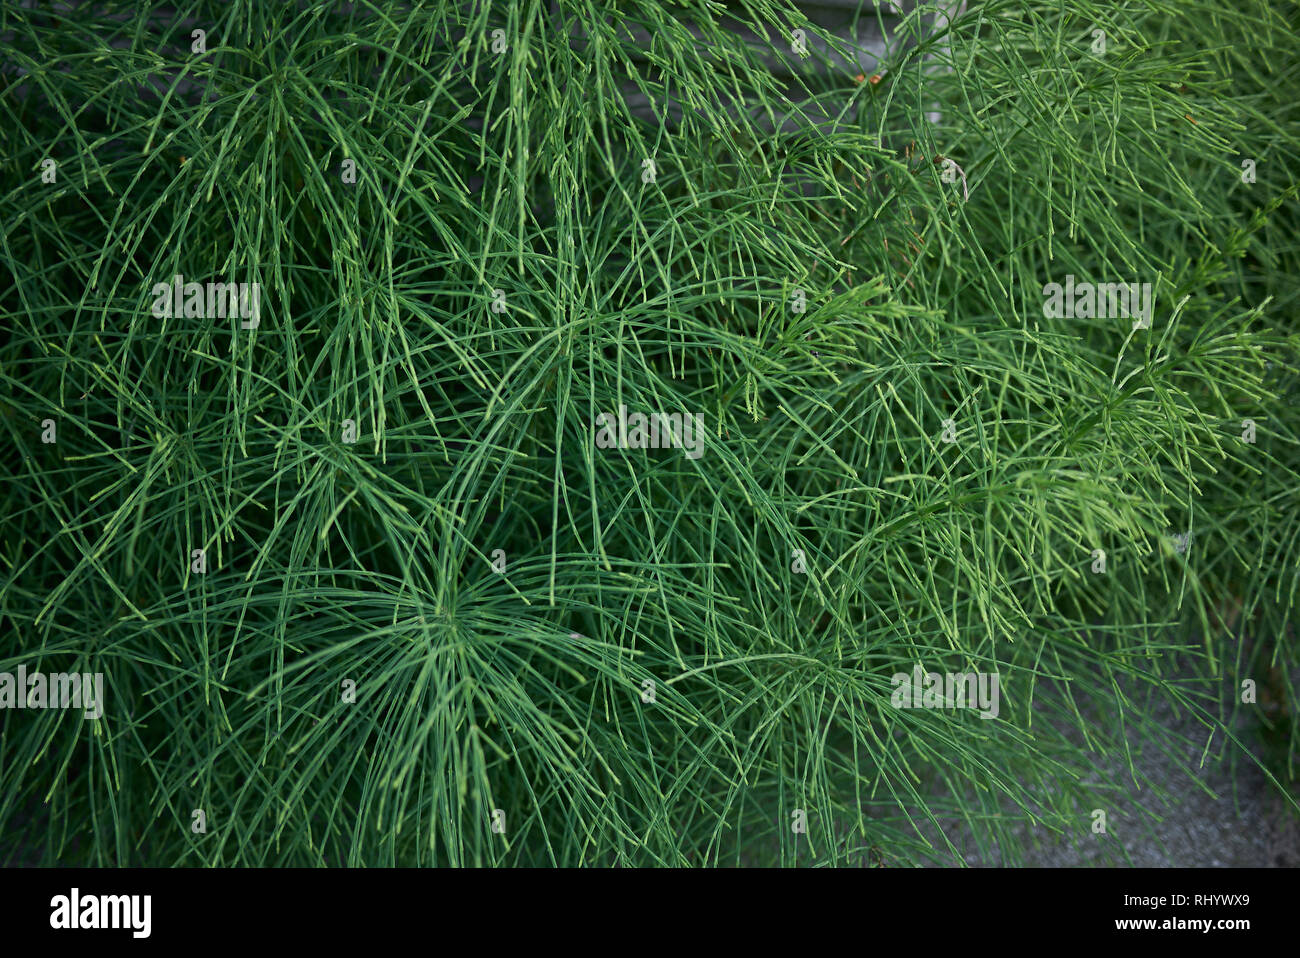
(438,623)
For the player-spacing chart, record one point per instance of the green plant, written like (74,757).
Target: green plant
(505,268)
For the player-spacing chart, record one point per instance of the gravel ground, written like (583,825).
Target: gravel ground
(1249,825)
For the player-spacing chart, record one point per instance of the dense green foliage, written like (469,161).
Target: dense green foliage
(524,171)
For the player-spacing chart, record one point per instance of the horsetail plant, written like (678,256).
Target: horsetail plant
(585,433)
